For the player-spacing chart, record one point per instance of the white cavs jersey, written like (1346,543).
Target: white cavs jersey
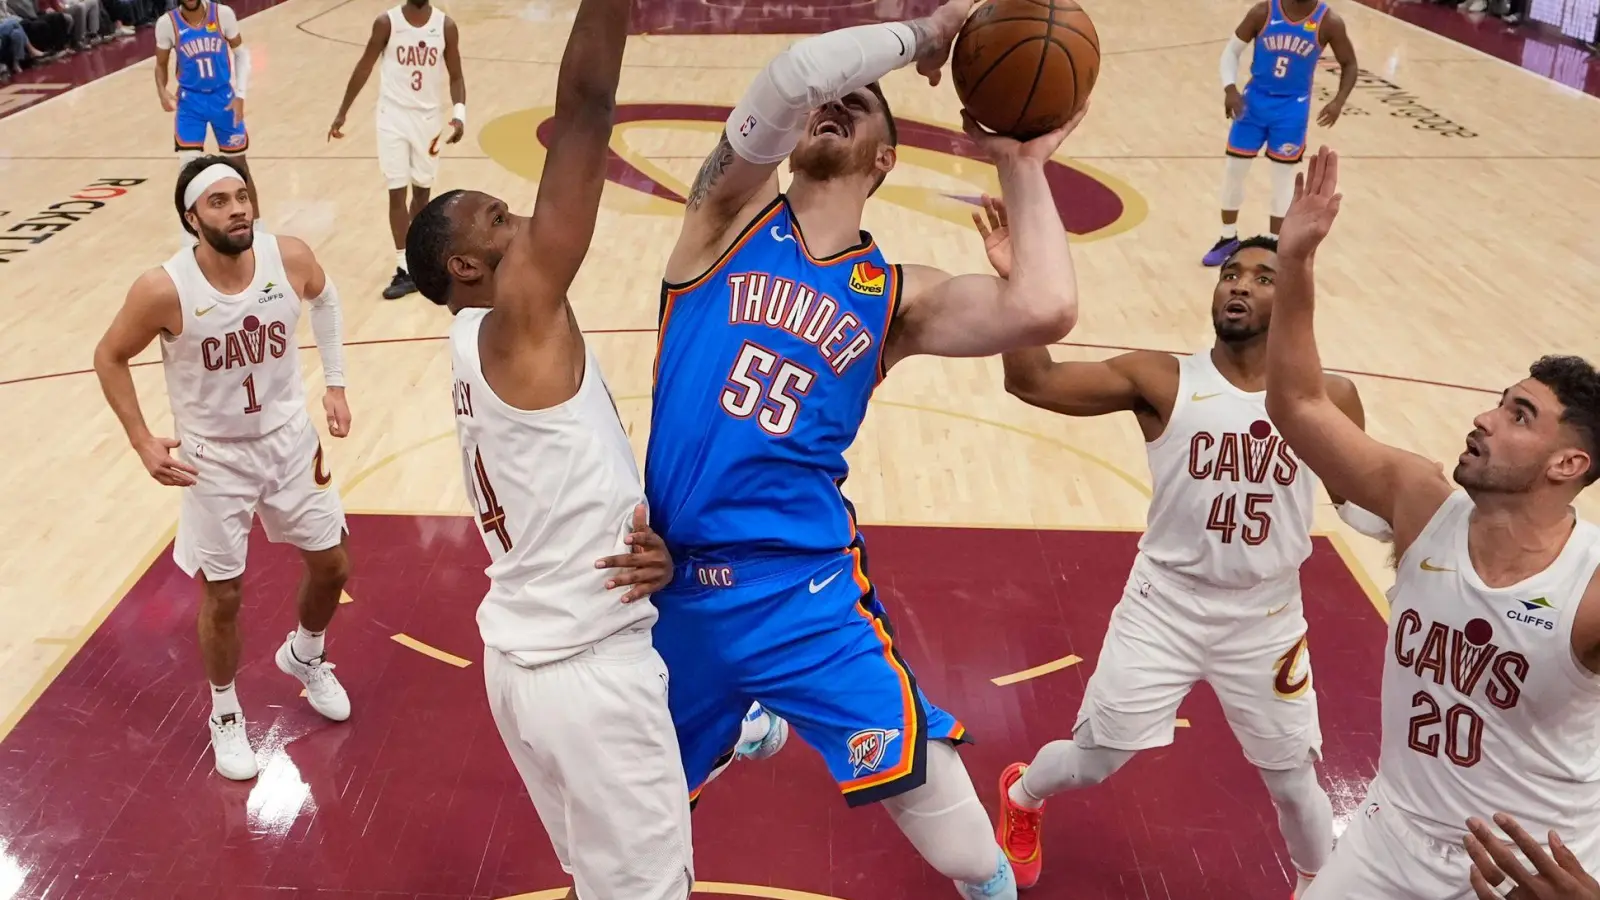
(1485,707)
(413,67)
(1232,506)
(234,370)
(553,490)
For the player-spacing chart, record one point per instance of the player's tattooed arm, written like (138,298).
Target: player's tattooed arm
(710,171)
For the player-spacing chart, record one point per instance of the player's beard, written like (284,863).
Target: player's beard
(225,243)
(824,160)
(1486,476)
(1237,332)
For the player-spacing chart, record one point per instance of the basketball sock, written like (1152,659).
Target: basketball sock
(1233,175)
(1020,796)
(947,824)
(306,645)
(1069,765)
(224,701)
(1305,817)
(400,260)
(1230,231)
(1282,188)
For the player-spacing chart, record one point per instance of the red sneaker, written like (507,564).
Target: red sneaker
(1019,830)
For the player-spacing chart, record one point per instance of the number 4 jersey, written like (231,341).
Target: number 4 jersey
(1485,706)
(1232,506)
(233,372)
(552,491)
(763,372)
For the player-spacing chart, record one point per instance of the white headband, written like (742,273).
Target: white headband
(208,176)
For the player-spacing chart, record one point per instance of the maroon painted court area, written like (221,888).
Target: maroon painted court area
(107,789)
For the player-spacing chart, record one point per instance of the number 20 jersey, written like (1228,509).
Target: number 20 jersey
(1232,506)
(763,373)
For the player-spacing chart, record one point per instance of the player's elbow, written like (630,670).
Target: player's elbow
(1046,315)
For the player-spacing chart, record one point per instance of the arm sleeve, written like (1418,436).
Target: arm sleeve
(1365,522)
(1231,57)
(327,326)
(227,21)
(165,36)
(766,124)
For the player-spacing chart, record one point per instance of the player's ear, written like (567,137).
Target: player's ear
(887,157)
(464,269)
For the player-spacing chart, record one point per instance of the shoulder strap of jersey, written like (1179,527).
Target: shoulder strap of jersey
(1317,14)
(756,223)
(1274,14)
(211,15)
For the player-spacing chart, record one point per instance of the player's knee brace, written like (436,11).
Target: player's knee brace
(946,822)
(1282,187)
(1233,176)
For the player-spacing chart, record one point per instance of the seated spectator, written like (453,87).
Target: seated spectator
(13,45)
(85,16)
(117,18)
(50,32)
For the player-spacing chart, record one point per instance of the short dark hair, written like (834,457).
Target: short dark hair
(894,130)
(1260,241)
(1576,385)
(190,170)
(429,241)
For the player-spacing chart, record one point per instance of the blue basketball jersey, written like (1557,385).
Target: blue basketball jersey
(205,62)
(1286,53)
(763,371)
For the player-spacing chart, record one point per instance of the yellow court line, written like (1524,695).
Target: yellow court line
(1055,665)
(82,637)
(344,597)
(1182,723)
(406,640)
(1359,573)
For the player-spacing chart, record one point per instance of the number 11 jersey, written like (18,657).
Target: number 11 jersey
(552,491)
(764,368)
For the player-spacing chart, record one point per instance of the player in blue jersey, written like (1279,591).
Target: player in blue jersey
(1274,110)
(213,76)
(779,317)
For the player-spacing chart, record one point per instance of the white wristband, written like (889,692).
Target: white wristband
(459,113)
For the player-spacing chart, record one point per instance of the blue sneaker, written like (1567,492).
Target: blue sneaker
(761,735)
(1003,886)
(1219,252)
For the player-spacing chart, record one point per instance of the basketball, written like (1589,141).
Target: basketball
(1025,67)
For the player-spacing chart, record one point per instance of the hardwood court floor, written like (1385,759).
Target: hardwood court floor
(1468,246)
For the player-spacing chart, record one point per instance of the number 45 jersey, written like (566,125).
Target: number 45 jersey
(552,491)
(763,372)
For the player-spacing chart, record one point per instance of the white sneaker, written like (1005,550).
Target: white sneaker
(323,690)
(235,759)
(761,735)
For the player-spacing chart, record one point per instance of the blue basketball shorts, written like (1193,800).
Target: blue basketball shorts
(806,637)
(198,111)
(1278,123)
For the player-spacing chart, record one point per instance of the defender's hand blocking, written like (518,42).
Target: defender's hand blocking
(996,234)
(338,410)
(934,49)
(1560,875)
(1315,205)
(156,454)
(649,565)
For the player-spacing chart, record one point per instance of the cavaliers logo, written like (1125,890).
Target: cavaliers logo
(1288,681)
(319,470)
(1092,204)
(868,278)
(869,747)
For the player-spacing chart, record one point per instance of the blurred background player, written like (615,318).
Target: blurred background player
(213,77)
(418,44)
(1214,594)
(225,312)
(1490,697)
(1274,111)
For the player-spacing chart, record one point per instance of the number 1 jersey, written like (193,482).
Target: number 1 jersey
(763,372)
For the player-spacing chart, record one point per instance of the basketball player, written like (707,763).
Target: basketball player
(779,318)
(213,77)
(418,44)
(578,692)
(225,311)
(1214,593)
(1275,109)
(1491,678)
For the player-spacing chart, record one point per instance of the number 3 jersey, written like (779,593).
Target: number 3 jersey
(1232,506)
(552,491)
(233,372)
(1486,708)
(763,373)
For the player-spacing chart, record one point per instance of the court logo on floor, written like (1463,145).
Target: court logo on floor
(940,172)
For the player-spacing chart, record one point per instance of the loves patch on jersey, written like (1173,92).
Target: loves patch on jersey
(868,278)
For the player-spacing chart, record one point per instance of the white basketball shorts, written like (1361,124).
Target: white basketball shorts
(405,141)
(1166,633)
(594,743)
(281,476)
(1384,854)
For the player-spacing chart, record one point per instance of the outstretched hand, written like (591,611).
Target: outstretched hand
(996,231)
(1559,874)
(945,24)
(1315,205)
(648,564)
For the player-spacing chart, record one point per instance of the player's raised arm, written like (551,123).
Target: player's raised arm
(544,257)
(1401,488)
(151,308)
(981,315)
(769,121)
(376,41)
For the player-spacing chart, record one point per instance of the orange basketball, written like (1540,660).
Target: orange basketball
(1025,67)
